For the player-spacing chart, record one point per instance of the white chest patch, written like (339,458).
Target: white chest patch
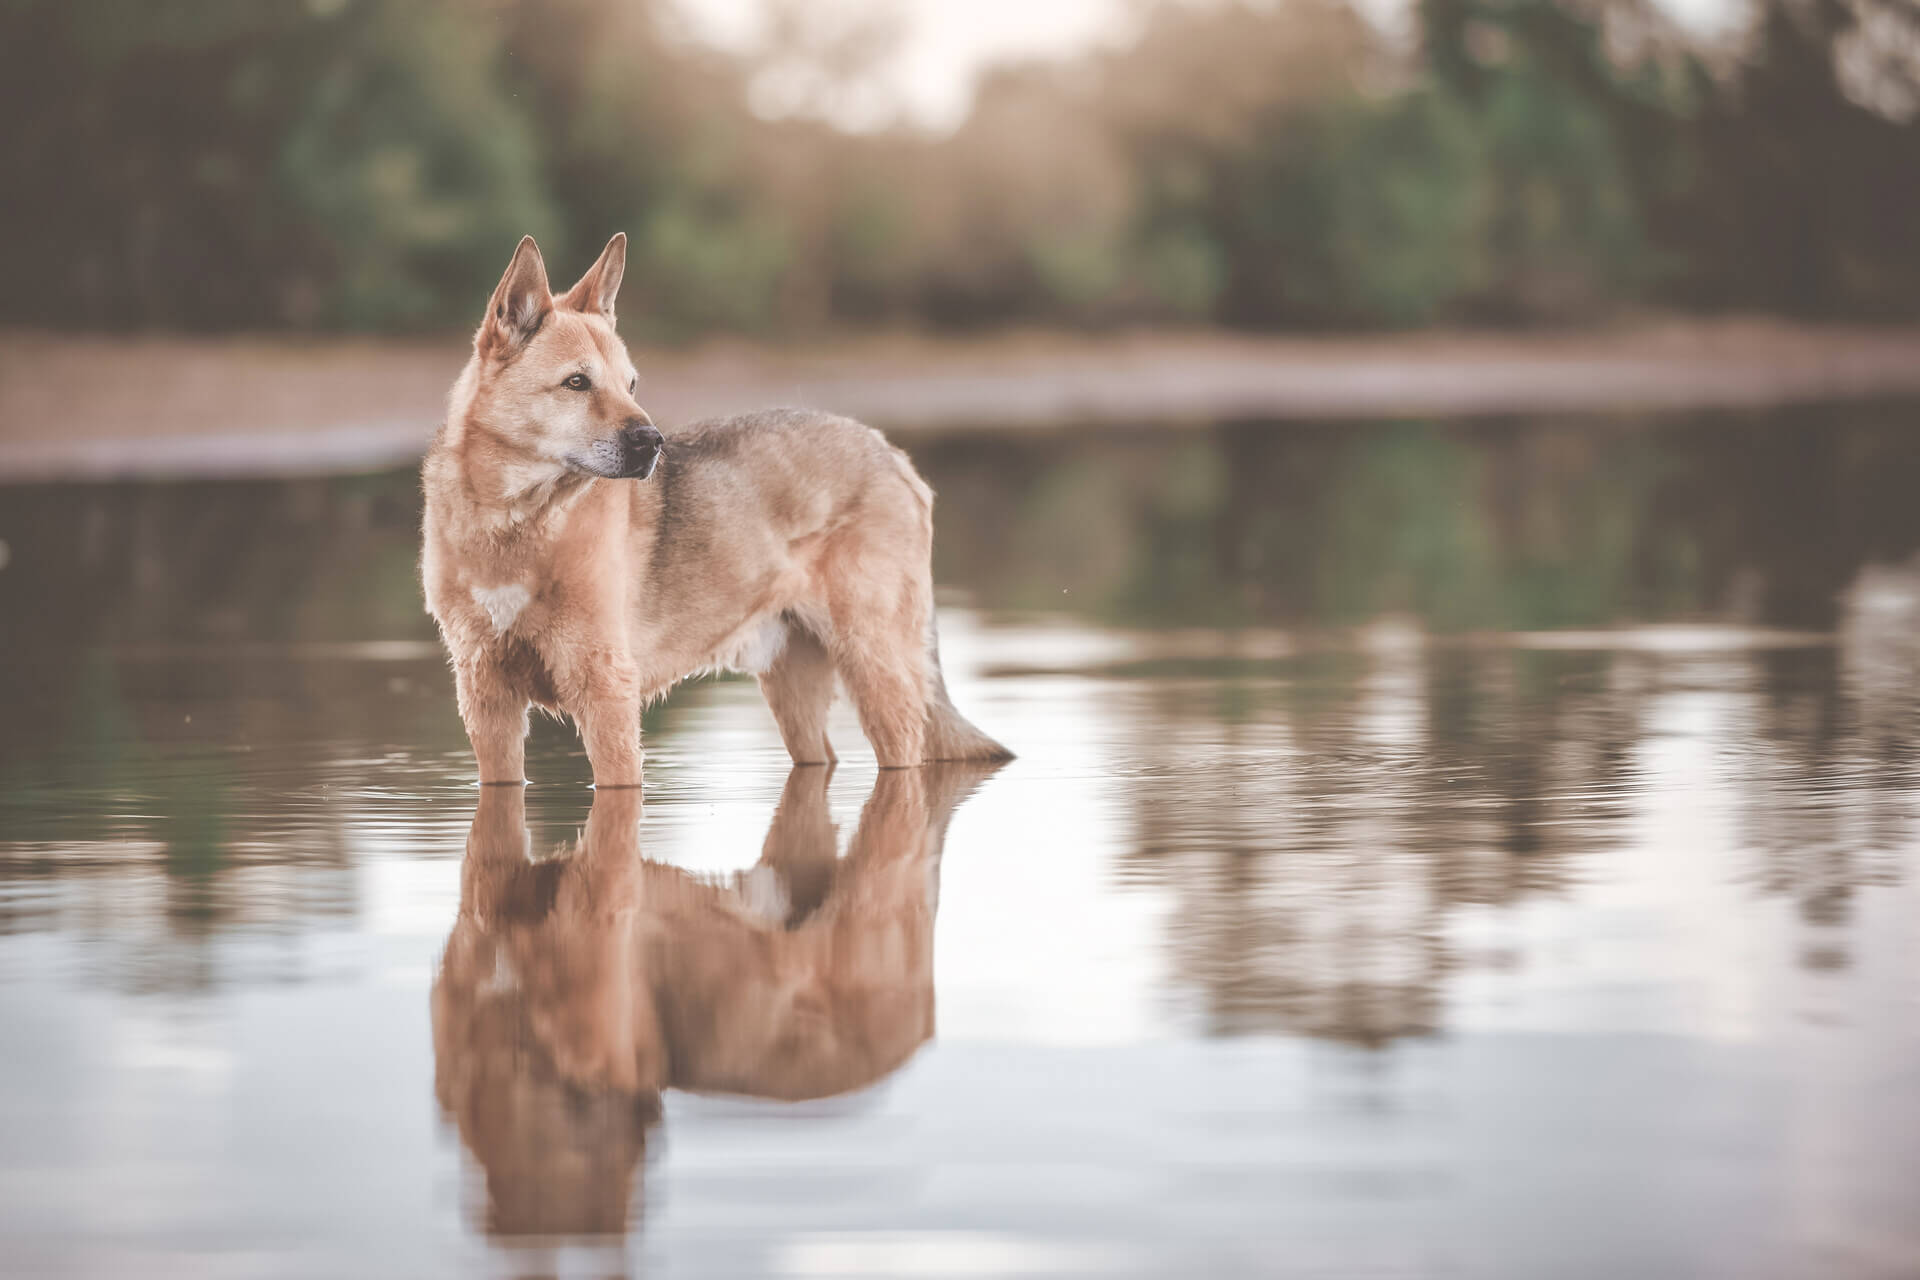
(753,650)
(502,604)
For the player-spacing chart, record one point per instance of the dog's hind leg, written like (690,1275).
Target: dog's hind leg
(879,594)
(879,646)
(798,685)
(888,686)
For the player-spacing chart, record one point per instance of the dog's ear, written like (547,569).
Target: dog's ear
(597,289)
(521,303)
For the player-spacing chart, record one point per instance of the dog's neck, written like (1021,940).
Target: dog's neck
(508,493)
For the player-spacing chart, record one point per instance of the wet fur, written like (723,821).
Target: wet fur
(798,537)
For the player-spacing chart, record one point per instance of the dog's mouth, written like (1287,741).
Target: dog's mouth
(620,458)
(642,468)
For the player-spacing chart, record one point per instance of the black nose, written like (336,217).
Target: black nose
(640,446)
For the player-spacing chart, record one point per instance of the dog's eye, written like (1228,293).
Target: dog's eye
(578,382)
(633,384)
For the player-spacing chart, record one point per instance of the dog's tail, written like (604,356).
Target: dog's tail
(950,735)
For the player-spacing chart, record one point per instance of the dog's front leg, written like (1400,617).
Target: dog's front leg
(608,713)
(496,720)
(610,727)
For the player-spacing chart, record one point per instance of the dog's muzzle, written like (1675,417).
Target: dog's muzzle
(640,448)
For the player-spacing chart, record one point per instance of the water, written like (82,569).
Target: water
(1435,850)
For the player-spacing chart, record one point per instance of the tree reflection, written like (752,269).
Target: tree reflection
(1325,845)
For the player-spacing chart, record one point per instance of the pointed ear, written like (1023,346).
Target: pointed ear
(521,303)
(597,288)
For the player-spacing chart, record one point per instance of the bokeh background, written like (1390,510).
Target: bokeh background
(799,164)
(1427,488)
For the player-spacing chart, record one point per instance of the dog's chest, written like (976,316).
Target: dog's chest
(507,620)
(501,606)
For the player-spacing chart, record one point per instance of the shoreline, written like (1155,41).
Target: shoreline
(94,407)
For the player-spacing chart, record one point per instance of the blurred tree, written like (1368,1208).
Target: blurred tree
(1358,213)
(643,134)
(1578,108)
(1808,191)
(1221,111)
(139,180)
(1263,163)
(258,163)
(404,155)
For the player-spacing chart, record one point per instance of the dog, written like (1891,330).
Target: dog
(577,559)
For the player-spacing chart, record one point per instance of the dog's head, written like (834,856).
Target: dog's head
(551,378)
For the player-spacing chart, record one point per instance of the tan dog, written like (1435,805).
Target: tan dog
(576,559)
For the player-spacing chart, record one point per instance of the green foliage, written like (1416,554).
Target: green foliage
(1358,213)
(404,157)
(1564,235)
(1077,272)
(1407,200)
(871,251)
(709,270)
(1565,230)
(368,164)
(1183,270)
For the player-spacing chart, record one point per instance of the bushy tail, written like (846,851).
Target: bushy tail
(950,735)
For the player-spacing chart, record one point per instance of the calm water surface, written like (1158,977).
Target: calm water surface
(1448,849)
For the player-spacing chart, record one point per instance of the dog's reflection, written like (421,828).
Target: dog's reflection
(577,987)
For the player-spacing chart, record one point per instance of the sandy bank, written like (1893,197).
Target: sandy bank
(98,407)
